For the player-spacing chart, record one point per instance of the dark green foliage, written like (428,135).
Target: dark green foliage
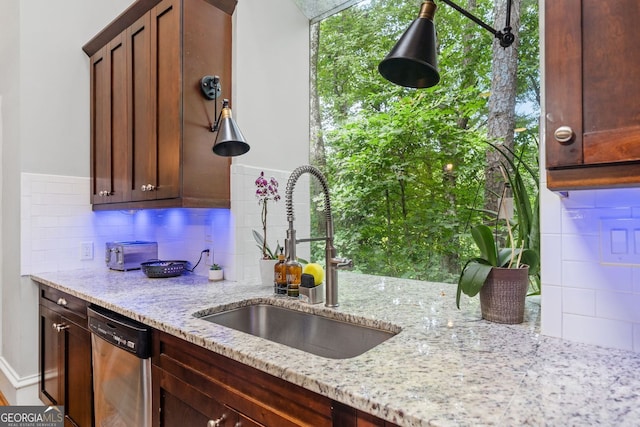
(398,210)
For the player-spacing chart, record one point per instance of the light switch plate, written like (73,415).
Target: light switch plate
(86,251)
(620,241)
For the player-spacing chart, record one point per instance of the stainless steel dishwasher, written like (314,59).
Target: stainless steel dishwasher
(121,349)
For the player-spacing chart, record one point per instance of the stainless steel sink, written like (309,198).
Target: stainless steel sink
(319,335)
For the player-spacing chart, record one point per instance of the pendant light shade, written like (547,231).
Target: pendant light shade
(229,141)
(413,61)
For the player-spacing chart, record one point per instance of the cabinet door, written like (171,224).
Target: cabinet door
(142,105)
(182,405)
(167,69)
(77,374)
(65,367)
(592,89)
(51,369)
(109,121)
(155,101)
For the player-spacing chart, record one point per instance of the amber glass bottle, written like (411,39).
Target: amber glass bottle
(294,277)
(280,276)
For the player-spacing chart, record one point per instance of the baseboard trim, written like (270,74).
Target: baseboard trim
(18,390)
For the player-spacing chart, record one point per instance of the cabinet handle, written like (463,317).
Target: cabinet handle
(61,301)
(218,422)
(564,135)
(59,327)
(148,187)
(104,193)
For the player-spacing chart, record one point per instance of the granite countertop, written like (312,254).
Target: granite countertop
(447,367)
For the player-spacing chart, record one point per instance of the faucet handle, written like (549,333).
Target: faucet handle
(342,263)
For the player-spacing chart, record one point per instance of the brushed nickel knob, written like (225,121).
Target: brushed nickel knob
(59,327)
(61,301)
(218,422)
(564,135)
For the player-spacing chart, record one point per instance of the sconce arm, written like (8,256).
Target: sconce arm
(505,36)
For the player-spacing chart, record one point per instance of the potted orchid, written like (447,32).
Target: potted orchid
(266,190)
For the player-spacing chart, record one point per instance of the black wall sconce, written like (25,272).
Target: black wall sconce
(413,62)
(229,141)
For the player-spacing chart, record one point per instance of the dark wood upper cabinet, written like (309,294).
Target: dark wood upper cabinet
(150,125)
(592,94)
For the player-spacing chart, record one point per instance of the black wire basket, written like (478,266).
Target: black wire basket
(160,269)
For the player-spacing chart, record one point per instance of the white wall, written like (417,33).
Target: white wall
(271,82)
(44,84)
(42,91)
(584,299)
(271,106)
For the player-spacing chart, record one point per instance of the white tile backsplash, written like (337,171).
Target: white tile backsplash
(551,303)
(598,331)
(579,301)
(582,298)
(246,211)
(56,217)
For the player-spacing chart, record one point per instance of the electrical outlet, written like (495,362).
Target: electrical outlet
(86,251)
(210,255)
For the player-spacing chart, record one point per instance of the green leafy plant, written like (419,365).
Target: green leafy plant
(215,267)
(524,183)
(520,249)
(267,253)
(477,269)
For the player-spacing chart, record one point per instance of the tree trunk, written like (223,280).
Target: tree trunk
(501,121)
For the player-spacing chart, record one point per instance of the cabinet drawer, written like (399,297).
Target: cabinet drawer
(73,308)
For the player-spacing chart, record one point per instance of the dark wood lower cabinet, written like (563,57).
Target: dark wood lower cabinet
(192,386)
(65,356)
(196,387)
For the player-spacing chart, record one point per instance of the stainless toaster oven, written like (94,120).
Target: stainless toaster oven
(129,255)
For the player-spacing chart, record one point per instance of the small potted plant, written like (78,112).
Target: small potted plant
(216,273)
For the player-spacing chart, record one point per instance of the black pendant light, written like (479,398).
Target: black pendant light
(413,61)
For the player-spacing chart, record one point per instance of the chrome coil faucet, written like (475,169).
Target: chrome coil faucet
(332,262)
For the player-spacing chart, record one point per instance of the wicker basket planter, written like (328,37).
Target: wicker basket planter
(503,293)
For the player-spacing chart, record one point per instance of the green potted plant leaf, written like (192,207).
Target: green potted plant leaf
(503,276)
(500,275)
(523,181)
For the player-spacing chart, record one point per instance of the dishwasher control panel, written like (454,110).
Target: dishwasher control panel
(122,332)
